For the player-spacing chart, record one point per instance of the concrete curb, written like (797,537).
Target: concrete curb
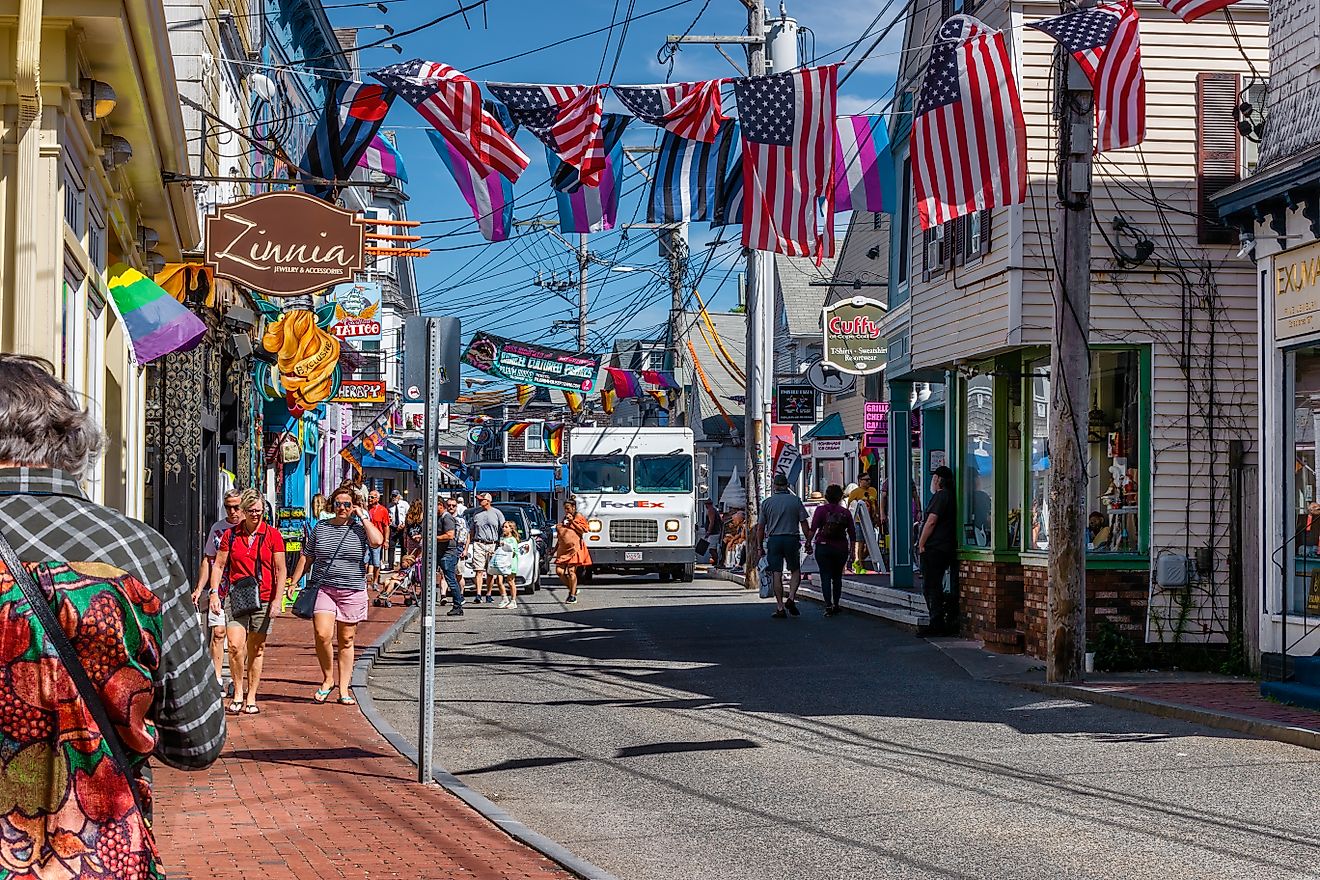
(495,814)
(1257,727)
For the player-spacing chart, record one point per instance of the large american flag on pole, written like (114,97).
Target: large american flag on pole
(565,118)
(788,161)
(451,101)
(969,149)
(688,110)
(1191,10)
(1106,43)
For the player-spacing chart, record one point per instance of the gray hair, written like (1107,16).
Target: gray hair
(41,422)
(233,493)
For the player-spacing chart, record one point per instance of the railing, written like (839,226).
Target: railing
(1299,624)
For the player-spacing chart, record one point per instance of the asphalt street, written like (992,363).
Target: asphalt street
(677,731)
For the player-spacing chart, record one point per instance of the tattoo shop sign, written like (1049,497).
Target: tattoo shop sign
(285,243)
(853,342)
(529,364)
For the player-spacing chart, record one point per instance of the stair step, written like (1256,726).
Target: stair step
(1003,641)
(1292,693)
(914,602)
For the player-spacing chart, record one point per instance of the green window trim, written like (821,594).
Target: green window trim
(1010,368)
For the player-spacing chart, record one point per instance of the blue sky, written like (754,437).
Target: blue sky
(489,286)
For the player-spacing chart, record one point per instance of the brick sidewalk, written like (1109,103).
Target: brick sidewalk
(1224,697)
(308,792)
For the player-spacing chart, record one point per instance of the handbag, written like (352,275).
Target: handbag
(305,605)
(703,548)
(91,697)
(245,593)
(763,576)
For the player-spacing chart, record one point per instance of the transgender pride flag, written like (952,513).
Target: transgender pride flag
(381,156)
(590,208)
(490,197)
(863,165)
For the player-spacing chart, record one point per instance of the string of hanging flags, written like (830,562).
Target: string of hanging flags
(782,168)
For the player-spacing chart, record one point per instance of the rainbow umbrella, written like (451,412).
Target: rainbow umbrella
(156,322)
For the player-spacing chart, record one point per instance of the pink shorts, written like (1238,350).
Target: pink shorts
(348,606)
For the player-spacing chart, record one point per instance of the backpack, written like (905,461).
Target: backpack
(835,527)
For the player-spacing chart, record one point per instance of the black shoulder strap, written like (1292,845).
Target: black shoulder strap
(36,599)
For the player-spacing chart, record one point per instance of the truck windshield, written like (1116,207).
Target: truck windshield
(600,474)
(663,473)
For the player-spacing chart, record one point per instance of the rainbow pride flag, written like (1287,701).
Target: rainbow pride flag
(156,322)
(554,439)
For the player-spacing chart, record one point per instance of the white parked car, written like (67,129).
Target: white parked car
(528,576)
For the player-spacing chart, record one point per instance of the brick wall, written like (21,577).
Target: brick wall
(1119,597)
(991,595)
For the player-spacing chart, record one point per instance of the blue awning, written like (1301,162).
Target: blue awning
(495,478)
(387,459)
(830,428)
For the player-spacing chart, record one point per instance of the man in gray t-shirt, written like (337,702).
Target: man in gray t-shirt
(487,524)
(782,514)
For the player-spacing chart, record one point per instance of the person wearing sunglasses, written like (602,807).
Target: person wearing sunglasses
(336,552)
(215,623)
(251,551)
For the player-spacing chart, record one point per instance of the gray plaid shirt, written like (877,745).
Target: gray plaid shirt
(47,518)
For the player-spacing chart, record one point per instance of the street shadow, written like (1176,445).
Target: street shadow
(519,764)
(315,758)
(677,748)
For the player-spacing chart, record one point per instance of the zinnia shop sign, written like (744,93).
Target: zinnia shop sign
(285,243)
(853,341)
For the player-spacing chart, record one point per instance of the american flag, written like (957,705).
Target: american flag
(969,149)
(688,110)
(1106,43)
(788,160)
(451,101)
(1191,10)
(565,118)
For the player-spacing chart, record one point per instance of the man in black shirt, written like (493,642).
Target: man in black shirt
(937,547)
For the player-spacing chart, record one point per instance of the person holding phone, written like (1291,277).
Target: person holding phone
(336,551)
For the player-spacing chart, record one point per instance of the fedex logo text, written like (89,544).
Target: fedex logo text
(634,504)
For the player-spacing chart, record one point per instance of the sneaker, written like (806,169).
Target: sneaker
(504,604)
(454,612)
(792,607)
(829,611)
(779,615)
(512,606)
(571,599)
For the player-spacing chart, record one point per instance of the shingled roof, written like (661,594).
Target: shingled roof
(796,298)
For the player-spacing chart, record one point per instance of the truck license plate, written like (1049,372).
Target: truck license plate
(632,556)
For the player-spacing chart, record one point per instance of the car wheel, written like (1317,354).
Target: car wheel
(688,570)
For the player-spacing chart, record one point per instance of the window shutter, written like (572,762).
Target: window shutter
(985,233)
(958,241)
(1218,151)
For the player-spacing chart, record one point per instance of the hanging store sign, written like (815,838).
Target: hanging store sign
(1297,292)
(360,391)
(357,311)
(876,423)
(285,243)
(529,364)
(795,405)
(853,342)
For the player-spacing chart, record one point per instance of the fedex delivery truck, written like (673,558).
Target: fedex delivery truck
(636,488)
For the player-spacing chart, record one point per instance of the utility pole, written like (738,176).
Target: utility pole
(1070,379)
(760,345)
(584,260)
(673,247)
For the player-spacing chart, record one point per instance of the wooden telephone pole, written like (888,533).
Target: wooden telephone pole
(1070,379)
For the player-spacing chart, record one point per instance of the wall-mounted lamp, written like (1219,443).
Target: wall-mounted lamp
(155,263)
(148,238)
(264,86)
(238,316)
(117,151)
(873,253)
(98,99)
(395,46)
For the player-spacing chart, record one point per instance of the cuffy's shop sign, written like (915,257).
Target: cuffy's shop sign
(853,341)
(285,243)
(1297,292)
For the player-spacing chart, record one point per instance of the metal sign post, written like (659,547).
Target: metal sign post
(441,381)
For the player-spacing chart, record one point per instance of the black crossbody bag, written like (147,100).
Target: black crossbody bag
(245,593)
(36,600)
(305,605)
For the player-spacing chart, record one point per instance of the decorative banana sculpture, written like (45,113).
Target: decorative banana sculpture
(308,358)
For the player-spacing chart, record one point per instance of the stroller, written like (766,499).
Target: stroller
(403,585)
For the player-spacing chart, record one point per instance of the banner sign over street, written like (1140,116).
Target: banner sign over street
(357,311)
(853,342)
(285,243)
(529,364)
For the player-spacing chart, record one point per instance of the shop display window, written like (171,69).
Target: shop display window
(978,471)
(1304,525)
(1115,432)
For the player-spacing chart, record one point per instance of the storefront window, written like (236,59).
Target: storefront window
(1306,484)
(978,477)
(1038,530)
(1114,434)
